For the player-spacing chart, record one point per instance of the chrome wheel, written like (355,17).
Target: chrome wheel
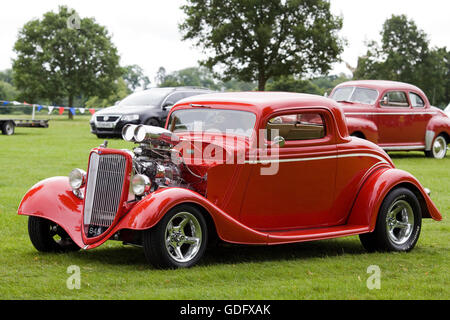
(439,147)
(400,222)
(183,237)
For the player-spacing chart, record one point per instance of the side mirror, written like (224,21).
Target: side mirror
(278,141)
(167,105)
(385,101)
(117,103)
(325,94)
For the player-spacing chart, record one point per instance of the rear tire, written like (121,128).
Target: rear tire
(438,148)
(47,236)
(398,225)
(179,240)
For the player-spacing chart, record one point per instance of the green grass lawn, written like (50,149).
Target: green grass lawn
(332,269)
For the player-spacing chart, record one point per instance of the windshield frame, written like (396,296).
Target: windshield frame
(216,131)
(353,92)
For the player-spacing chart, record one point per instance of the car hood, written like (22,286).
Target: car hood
(124,110)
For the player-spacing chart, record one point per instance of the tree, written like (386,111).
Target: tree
(255,40)
(121,92)
(405,55)
(63,56)
(6,76)
(135,78)
(190,77)
(291,84)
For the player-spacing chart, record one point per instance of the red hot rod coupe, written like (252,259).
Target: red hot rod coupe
(396,116)
(248,168)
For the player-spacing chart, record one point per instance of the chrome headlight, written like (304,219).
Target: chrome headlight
(130,117)
(77,179)
(140,184)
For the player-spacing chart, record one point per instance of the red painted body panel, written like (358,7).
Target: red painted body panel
(402,128)
(323,188)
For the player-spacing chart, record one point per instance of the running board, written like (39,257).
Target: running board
(292,236)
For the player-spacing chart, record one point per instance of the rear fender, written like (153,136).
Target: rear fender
(375,189)
(54,200)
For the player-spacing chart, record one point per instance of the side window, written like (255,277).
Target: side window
(416,100)
(395,99)
(174,98)
(297,127)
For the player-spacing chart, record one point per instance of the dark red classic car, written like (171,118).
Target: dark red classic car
(247,168)
(396,116)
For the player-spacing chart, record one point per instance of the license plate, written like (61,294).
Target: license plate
(105,125)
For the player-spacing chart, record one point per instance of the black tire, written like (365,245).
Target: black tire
(47,236)
(438,148)
(161,253)
(8,128)
(152,122)
(398,225)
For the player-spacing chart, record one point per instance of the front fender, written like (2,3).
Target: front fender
(365,126)
(54,200)
(149,211)
(375,189)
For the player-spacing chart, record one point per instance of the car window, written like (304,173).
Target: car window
(297,127)
(356,95)
(416,100)
(395,99)
(151,97)
(175,97)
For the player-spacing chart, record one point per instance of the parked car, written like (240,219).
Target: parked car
(394,115)
(148,107)
(248,168)
(447,110)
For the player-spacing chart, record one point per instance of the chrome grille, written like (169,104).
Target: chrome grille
(106,177)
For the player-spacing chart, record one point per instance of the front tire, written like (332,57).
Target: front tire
(47,236)
(152,122)
(438,149)
(398,225)
(179,240)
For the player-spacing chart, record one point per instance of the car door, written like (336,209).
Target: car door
(293,187)
(421,115)
(394,119)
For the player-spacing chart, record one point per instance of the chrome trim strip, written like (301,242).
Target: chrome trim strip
(388,113)
(90,187)
(351,155)
(403,148)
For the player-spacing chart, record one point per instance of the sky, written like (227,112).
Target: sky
(146,31)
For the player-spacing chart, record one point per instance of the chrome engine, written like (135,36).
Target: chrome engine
(154,155)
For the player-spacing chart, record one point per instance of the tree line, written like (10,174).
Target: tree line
(249,45)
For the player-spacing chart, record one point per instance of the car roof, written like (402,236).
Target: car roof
(266,103)
(262,100)
(380,85)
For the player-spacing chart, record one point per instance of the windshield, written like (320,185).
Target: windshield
(355,94)
(151,97)
(213,120)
